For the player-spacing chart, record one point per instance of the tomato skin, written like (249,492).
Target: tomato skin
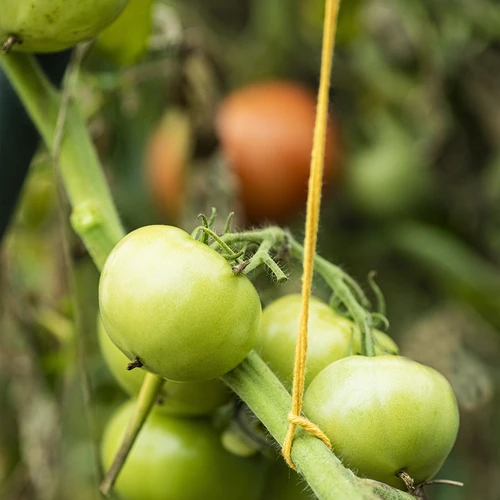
(53,25)
(266,132)
(180,459)
(176,304)
(176,398)
(329,337)
(385,414)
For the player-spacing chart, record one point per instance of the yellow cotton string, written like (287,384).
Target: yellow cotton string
(312,219)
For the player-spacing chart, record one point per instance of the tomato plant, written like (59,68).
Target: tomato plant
(176,305)
(331,337)
(50,26)
(266,132)
(175,398)
(385,415)
(180,459)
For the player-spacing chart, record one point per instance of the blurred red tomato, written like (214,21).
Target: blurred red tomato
(266,131)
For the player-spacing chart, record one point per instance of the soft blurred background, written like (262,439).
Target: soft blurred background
(412,191)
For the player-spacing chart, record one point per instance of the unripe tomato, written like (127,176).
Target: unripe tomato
(166,159)
(266,131)
(176,305)
(176,398)
(125,41)
(53,25)
(180,459)
(389,178)
(330,337)
(385,414)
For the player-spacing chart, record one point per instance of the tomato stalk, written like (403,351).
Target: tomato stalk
(147,397)
(94,216)
(95,219)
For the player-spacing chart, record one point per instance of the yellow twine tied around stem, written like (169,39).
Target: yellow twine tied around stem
(312,220)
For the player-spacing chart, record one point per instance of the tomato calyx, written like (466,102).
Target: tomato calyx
(271,246)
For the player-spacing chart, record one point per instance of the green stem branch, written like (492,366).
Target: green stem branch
(147,397)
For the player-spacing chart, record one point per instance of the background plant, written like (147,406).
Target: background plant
(433,85)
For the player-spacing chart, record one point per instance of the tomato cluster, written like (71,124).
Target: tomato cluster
(174,305)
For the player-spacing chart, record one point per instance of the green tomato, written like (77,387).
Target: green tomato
(53,25)
(125,41)
(176,305)
(330,337)
(176,398)
(180,459)
(389,178)
(385,414)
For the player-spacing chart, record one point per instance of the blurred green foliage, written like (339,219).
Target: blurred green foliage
(416,90)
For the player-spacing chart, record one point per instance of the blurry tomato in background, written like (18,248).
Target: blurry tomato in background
(266,132)
(167,156)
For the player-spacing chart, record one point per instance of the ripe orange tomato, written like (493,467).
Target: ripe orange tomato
(266,132)
(166,158)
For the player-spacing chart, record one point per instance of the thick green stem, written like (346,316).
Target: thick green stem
(95,218)
(145,402)
(255,384)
